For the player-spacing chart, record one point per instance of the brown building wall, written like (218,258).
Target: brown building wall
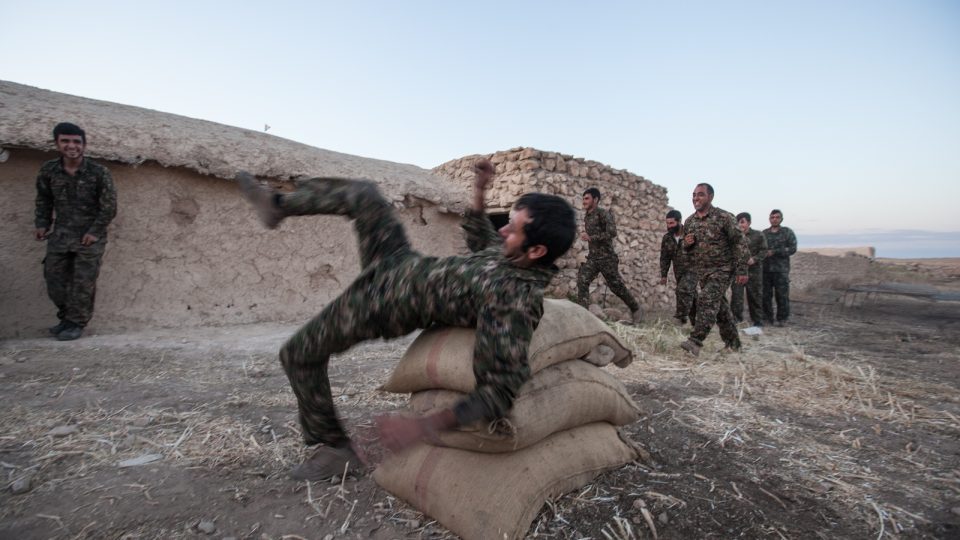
(185,250)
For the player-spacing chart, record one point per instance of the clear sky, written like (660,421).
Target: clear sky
(844,114)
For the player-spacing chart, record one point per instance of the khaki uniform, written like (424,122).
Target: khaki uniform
(776,273)
(602,259)
(718,254)
(672,253)
(400,290)
(757,244)
(84,203)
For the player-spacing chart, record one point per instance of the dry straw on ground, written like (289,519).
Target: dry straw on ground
(812,416)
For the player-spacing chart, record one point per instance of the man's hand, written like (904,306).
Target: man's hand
(663,281)
(88,239)
(689,239)
(742,280)
(41,234)
(485,171)
(398,432)
(751,262)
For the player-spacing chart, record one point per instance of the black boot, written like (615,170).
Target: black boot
(71,332)
(60,327)
(262,199)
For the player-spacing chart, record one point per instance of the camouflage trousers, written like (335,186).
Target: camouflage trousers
(360,313)
(776,285)
(754,293)
(686,295)
(712,307)
(72,283)
(609,267)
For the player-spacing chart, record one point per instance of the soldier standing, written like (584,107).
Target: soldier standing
(718,252)
(757,244)
(781,244)
(498,289)
(76,200)
(600,230)
(672,253)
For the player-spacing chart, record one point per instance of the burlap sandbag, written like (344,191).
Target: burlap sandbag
(442,357)
(560,397)
(495,496)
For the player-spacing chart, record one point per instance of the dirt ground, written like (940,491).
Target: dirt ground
(844,424)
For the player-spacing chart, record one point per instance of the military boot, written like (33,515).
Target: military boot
(71,332)
(262,198)
(59,327)
(326,461)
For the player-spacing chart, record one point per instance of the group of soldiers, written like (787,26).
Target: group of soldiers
(497,288)
(711,252)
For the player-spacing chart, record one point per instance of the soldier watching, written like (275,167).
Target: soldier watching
(599,231)
(672,253)
(781,244)
(757,244)
(76,200)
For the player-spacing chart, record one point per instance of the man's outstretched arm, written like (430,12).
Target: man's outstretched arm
(480,233)
(504,332)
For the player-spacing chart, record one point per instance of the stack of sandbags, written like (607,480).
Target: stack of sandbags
(489,480)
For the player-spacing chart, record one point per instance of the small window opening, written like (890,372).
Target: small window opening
(499,219)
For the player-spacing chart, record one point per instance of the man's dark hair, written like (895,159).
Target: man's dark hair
(776,211)
(593,192)
(66,128)
(675,214)
(744,215)
(553,224)
(708,186)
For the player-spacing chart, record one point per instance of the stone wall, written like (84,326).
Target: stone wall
(815,270)
(638,205)
(865,251)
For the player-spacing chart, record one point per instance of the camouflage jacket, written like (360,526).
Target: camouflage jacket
(602,229)
(719,244)
(783,244)
(672,252)
(757,243)
(75,205)
(484,290)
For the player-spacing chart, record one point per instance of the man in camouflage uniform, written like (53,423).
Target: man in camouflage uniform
(718,252)
(672,253)
(498,289)
(600,230)
(781,244)
(76,200)
(757,244)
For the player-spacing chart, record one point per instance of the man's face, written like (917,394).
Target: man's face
(71,146)
(671,223)
(589,203)
(743,224)
(775,219)
(514,236)
(701,201)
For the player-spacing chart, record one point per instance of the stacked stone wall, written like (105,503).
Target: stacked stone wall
(811,270)
(638,205)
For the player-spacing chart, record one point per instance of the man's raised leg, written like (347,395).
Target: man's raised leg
(379,233)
